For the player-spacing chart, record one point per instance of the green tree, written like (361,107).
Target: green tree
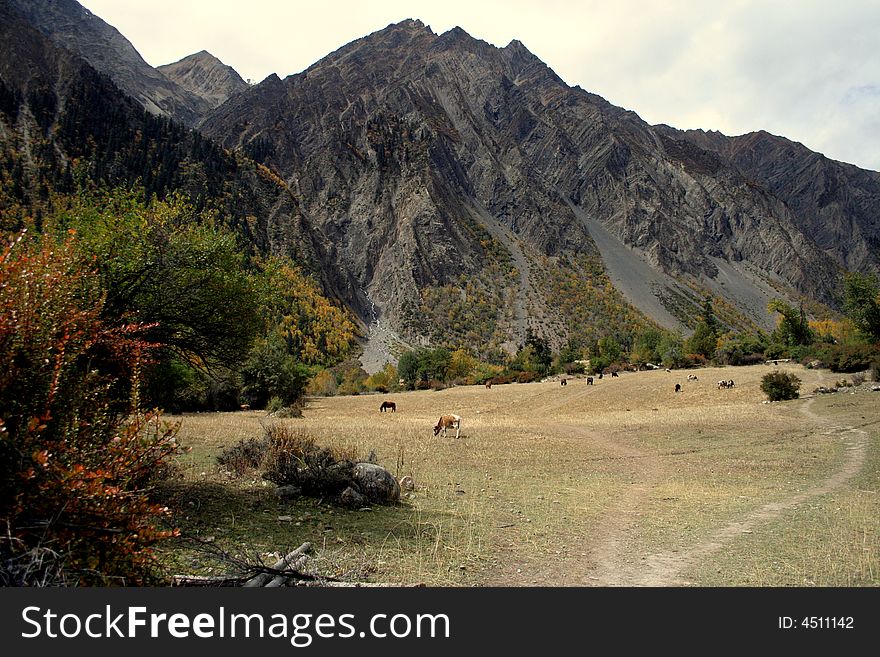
(541,352)
(270,371)
(167,266)
(671,350)
(793,329)
(862,303)
(704,340)
(408,368)
(646,347)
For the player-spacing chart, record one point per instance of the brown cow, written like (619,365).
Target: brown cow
(446,422)
(489,384)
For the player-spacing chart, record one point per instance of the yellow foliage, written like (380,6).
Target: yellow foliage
(317,332)
(841,331)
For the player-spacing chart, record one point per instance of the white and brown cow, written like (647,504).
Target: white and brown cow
(448,422)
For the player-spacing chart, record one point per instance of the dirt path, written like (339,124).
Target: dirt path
(604,559)
(668,568)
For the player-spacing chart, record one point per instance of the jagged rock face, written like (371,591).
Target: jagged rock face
(205,76)
(70,25)
(837,205)
(417,161)
(400,140)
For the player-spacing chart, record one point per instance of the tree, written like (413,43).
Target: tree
(862,303)
(408,368)
(645,346)
(704,340)
(793,329)
(671,350)
(270,371)
(167,266)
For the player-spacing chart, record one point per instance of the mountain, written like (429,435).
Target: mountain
(71,26)
(836,204)
(447,190)
(64,127)
(205,76)
(428,160)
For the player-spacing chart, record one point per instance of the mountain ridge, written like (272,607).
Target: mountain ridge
(504,136)
(455,192)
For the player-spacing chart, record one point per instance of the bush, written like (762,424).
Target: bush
(77,456)
(779,386)
(293,458)
(246,455)
(847,358)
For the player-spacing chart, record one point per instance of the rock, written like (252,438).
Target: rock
(290,492)
(376,483)
(352,499)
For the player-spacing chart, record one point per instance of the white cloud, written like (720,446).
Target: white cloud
(804,69)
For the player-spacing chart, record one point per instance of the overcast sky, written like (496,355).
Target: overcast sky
(808,70)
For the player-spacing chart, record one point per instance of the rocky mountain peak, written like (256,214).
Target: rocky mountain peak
(70,25)
(205,76)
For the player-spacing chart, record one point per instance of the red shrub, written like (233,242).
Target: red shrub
(76,454)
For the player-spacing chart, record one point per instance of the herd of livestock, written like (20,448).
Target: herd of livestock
(453,421)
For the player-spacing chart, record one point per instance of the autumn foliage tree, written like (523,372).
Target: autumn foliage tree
(76,454)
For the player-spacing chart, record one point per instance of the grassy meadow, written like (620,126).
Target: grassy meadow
(620,483)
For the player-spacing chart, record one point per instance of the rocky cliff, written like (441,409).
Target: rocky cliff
(422,158)
(451,191)
(205,76)
(69,25)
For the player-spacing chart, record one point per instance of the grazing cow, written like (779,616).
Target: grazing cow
(613,374)
(730,383)
(388,404)
(563,382)
(669,370)
(245,407)
(677,387)
(446,422)
(692,377)
(725,384)
(489,384)
(590,380)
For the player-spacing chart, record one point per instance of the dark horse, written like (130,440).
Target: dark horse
(388,404)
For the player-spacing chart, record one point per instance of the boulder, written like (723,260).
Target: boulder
(289,492)
(352,499)
(376,483)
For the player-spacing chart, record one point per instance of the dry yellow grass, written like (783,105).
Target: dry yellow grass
(622,482)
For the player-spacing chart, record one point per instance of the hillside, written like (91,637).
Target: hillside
(205,76)
(412,150)
(444,189)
